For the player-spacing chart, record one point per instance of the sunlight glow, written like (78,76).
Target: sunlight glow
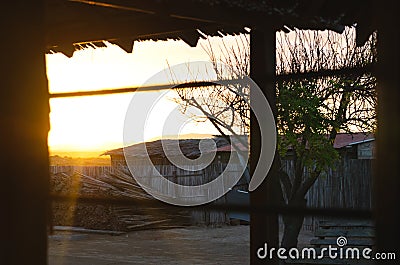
(95,123)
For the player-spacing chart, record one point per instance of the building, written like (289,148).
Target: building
(220,154)
(350,146)
(355,146)
(189,148)
(158,149)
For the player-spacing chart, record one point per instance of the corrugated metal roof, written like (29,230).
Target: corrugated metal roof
(345,139)
(188,147)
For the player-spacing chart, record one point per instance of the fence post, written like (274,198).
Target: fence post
(264,227)
(24,119)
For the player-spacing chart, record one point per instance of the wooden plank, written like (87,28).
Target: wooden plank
(147,224)
(347,233)
(330,224)
(326,252)
(350,242)
(85,230)
(330,262)
(316,261)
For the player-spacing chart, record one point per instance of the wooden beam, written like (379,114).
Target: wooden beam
(129,27)
(84,21)
(264,227)
(24,119)
(182,9)
(113,6)
(233,17)
(387,170)
(306,14)
(197,84)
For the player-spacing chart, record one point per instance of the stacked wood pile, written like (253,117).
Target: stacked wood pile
(108,183)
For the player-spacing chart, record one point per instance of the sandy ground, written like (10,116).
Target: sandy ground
(192,245)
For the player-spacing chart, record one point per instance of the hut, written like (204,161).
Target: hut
(355,146)
(218,148)
(349,146)
(157,151)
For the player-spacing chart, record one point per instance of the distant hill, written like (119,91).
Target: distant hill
(95,158)
(81,154)
(183,136)
(56,160)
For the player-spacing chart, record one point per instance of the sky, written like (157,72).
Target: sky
(95,124)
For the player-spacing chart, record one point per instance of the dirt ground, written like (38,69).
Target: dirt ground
(192,245)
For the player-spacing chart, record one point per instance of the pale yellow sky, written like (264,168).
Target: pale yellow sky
(96,123)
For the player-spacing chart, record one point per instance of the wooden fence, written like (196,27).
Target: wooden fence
(170,172)
(347,185)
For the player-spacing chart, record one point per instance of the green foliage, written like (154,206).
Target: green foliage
(303,125)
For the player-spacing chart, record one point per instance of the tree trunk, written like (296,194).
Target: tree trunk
(293,224)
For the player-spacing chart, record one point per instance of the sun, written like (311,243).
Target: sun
(96,123)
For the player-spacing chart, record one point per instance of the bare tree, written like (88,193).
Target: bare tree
(311,109)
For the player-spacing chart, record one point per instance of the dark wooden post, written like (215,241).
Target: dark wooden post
(264,228)
(387,173)
(24,112)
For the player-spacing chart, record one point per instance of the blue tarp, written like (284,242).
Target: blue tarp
(238,197)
